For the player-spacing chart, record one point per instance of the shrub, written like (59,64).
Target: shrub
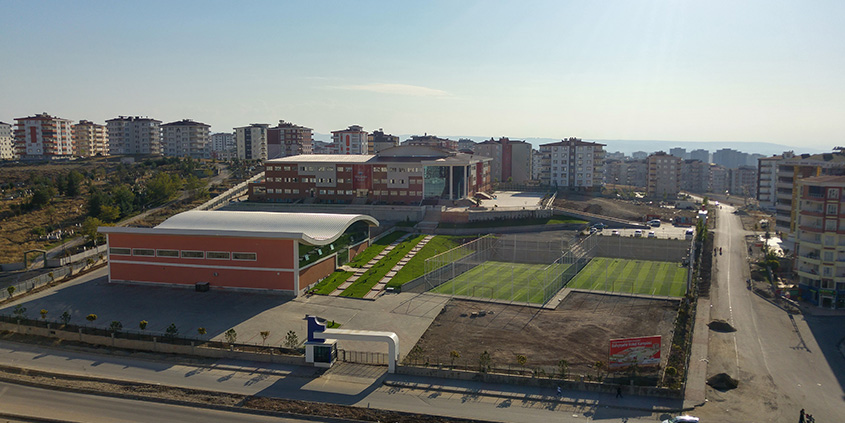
(172,331)
(115,326)
(291,340)
(43,313)
(91,317)
(143,324)
(65,318)
(230,336)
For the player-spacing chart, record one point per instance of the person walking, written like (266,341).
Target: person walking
(559,393)
(618,392)
(801,417)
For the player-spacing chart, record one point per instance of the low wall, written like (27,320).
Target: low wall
(509,229)
(92,253)
(314,272)
(358,248)
(154,346)
(6,267)
(444,373)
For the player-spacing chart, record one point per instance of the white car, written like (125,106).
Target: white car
(651,234)
(615,233)
(638,233)
(682,419)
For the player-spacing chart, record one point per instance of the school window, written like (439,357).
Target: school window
(167,253)
(244,256)
(120,251)
(192,254)
(832,208)
(217,255)
(143,252)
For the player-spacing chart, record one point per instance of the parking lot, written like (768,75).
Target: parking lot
(665,231)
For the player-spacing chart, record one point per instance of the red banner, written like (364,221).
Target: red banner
(362,177)
(643,351)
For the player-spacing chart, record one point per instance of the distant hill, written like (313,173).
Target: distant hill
(630,146)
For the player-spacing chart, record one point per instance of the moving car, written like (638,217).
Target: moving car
(682,419)
(638,233)
(654,222)
(689,234)
(615,233)
(651,234)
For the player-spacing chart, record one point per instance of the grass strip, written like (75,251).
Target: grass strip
(361,259)
(416,266)
(331,282)
(371,277)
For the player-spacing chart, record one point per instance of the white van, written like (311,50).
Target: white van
(689,234)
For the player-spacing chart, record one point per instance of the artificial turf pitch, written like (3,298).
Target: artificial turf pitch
(632,276)
(518,282)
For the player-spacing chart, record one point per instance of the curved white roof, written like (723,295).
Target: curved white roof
(310,228)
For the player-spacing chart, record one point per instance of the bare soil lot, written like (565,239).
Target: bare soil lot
(622,209)
(578,331)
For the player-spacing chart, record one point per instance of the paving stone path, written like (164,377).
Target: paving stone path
(382,284)
(361,270)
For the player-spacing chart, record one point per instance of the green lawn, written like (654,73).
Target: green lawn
(518,282)
(416,267)
(554,220)
(361,259)
(632,276)
(368,280)
(330,283)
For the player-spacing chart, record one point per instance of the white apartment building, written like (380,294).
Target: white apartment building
(251,141)
(223,146)
(186,138)
(43,137)
(134,135)
(664,175)
(536,164)
(767,170)
(7,142)
(90,139)
(352,140)
(572,164)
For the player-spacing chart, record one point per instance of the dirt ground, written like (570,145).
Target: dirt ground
(622,209)
(578,330)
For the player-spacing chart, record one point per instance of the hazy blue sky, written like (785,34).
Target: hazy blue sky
(767,71)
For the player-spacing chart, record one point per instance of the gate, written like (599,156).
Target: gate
(363,357)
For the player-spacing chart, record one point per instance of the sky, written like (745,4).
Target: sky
(747,71)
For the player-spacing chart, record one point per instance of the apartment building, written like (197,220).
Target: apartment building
(251,141)
(511,159)
(536,164)
(820,240)
(679,152)
(134,135)
(378,141)
(7,142)
(399,175)
(695,176)
(664,175)
(186,138)
(426,140)
(789,171)
(90,139)
(719,179)
(767,180)
(626,172)
(223,146)
(43,137)
(743,181)
(573,164)
(288,139)
(700,155)
(352,140)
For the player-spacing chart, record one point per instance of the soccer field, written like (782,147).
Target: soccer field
(632,276)
(518,282)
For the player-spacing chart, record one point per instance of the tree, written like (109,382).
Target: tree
(11,290)
(43,313)
(231,336)
(484,361)
(41,196)
(91,317)
(89,229)
(109,213)
(96,201)
(599,367)
(19,311)
(124,199)
(264,335)
(72,182)
(162,187)
(116,326)
(65,318)
(454,354)
(562,368)
(521,360)
(201,331)
(143,324)
(172,331)
(291,340)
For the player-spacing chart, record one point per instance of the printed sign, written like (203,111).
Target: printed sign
(643,351)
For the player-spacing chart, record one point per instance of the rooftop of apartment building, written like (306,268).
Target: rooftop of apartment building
(283,124)
(351,128)
(503,140)
(186,122)
(572,141)
(41,116)
(255,125)
(824,180)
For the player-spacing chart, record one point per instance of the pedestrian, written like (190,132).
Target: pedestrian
(559,392)
(618,392)
(801,417)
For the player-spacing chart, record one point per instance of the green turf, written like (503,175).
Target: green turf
(370,278)
(330,283)
(517,282)
(416,266)
(361,259)
(632,276)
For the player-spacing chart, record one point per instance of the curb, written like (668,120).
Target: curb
(506,395)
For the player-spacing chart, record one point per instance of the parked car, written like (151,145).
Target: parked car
(599,226)
(682,419)
(615,233)
(651,234)
(638,233)
(654,222)
(593,230)
(689,234)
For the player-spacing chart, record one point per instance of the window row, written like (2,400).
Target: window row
(215,255)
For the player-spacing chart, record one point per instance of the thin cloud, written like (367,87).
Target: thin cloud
(397,89)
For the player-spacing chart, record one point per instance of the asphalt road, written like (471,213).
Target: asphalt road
(71,407)
(783,363)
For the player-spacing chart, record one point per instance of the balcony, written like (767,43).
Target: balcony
(811,258)
(807,273)
(814,242)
